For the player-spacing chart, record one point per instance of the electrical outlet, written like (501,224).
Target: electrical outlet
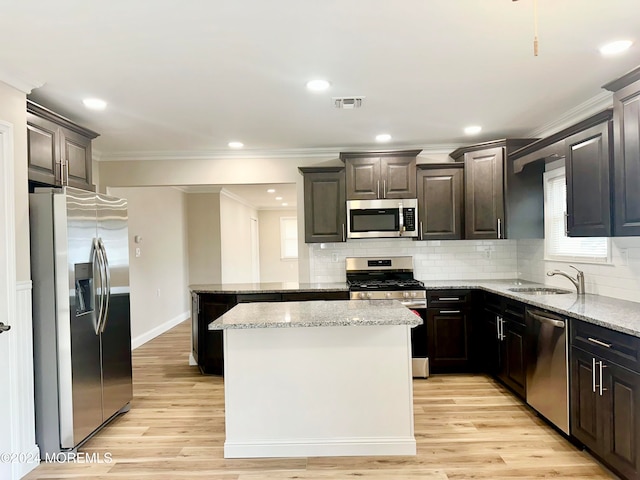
(487,254)
(138,252)
(334,258)
(157,292)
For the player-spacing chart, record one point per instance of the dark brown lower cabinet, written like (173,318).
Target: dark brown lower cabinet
(448,332)
(207,345)
(605,410)
(513,368)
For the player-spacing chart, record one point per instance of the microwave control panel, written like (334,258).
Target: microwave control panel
(409,219)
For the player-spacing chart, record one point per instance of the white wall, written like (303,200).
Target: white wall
(272,267)
(159,278)
(205,262)
(235,239)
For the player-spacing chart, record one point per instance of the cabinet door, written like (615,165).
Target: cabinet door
(440,197)
(585,425)
(448,339)
(76,158)
(488,345)
(484,195)
(620,417)
(363,178)
(43,154)
(514,368)
(398,175)
(210,342)
(588,158)
(324,207)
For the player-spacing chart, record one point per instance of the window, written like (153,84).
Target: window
(288,238)
(557,246)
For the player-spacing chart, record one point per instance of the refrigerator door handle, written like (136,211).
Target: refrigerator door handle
(107,291)
(96,260)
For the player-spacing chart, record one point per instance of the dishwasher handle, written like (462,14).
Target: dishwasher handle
(547,320)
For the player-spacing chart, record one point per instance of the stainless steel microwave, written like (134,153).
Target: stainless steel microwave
(382,218)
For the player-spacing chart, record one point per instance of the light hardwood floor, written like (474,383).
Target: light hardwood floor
(467,427)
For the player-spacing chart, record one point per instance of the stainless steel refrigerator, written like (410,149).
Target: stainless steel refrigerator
(81,314)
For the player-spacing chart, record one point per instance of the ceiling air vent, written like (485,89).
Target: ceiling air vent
(347,103)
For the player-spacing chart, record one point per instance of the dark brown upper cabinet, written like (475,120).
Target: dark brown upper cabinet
(498,202)
(588,165)
(325,213)
(587,151)
(59,151)
(626,158)
(440,201)
(379,175)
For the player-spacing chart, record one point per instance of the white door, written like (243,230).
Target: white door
(7,295)
(255,251)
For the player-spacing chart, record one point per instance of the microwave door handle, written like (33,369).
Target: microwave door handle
(401,220)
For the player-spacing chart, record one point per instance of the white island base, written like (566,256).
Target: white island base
(319,391)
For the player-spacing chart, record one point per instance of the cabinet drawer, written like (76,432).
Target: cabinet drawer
(493,303)
(514,311)
(438,298)
(306,296)
(608,344)
(259,297)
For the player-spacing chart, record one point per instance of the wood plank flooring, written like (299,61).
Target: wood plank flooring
(467,427)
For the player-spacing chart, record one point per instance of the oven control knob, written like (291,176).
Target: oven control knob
(362,295)
(369,295)
(405,294)
(413,294)
(388,294)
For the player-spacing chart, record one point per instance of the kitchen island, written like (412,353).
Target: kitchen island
(318,378)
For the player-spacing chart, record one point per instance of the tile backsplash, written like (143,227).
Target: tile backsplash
(619,279)
(432,260)
(486,260)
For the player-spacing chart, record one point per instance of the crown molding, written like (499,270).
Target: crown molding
(594,105)
(324,153)
(19,83)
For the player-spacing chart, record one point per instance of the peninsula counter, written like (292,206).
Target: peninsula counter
(318,378)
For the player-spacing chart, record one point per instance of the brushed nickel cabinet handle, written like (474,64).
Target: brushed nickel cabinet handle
(4,328)
(600,342)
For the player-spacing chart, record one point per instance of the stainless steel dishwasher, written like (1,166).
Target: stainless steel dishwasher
(547,366)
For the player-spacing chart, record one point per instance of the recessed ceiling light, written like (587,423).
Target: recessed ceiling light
(278,198)
(271,190)
(614,48)
(473,130)
(285,204)
(235,144)
(94,103)
(383,137)
(318,85)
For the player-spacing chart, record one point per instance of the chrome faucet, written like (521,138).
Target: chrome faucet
(578,282)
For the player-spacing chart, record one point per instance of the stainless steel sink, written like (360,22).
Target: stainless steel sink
(538,290)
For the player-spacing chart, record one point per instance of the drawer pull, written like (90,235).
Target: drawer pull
(599,342)
(448,299)
(449,311)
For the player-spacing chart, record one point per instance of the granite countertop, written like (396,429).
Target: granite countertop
(620,315)
(335,313)
(270,287)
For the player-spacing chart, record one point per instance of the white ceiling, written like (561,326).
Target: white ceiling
(188,76)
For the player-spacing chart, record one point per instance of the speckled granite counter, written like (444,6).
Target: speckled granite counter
(270,287)
(345,313)
(619,315)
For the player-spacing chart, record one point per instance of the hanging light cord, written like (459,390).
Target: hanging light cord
(535,28)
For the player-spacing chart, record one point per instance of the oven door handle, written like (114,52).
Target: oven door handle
(414,303)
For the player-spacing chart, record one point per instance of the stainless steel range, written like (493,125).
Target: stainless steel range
(380,278)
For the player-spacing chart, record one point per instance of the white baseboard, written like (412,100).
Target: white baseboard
(192,360)
(159,330)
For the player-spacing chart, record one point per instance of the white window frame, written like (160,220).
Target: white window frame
(549,226)
(284,253)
